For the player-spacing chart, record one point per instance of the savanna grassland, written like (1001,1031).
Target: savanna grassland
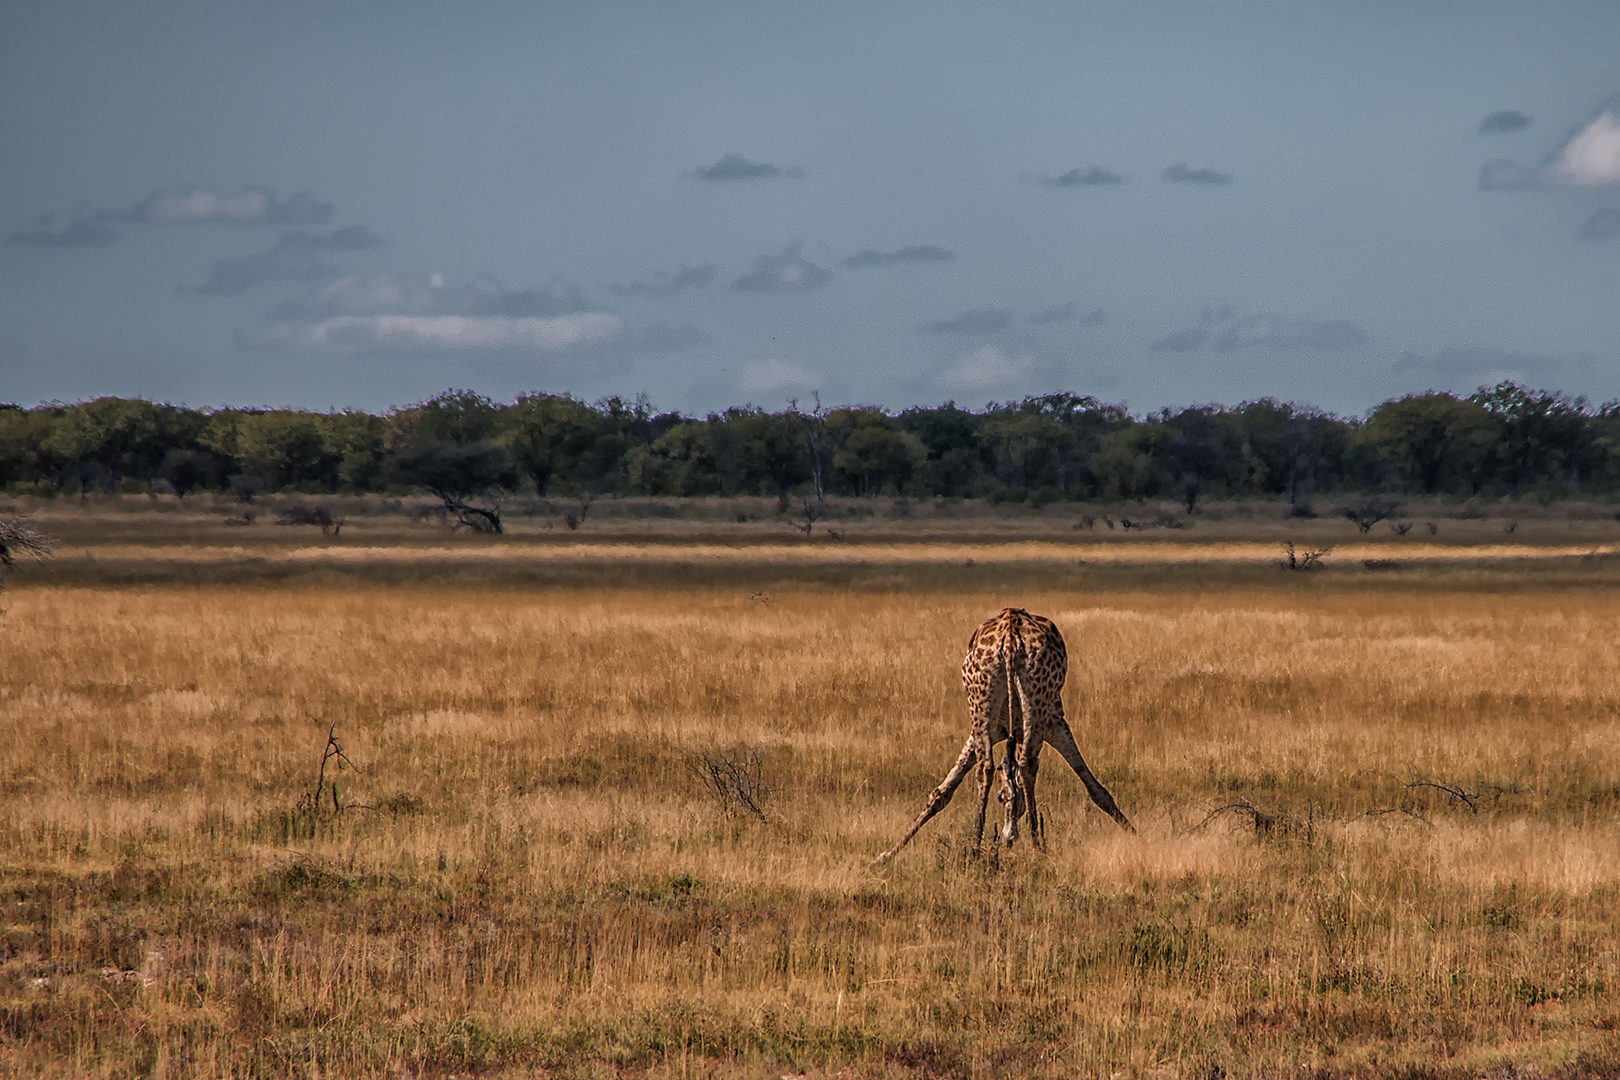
(1378,804)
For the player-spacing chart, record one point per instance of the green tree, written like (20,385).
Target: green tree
(122,437)
(1433,441)
(679,462)
(1126,461)
(454,416)
(950,438)
(548,435)
(870,451)
(1539,434)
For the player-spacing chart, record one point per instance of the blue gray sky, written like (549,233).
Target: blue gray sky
(356,204)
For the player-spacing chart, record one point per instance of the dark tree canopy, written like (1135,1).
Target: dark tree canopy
(464,448)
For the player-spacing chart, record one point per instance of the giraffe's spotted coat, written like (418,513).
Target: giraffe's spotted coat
(1013,676)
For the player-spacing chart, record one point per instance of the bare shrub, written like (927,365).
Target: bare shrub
(1307,559)
(313,801)
(1400,528)
(1265,824)
(319,516)
(735,778)
(808,516)
(574,516)
(17,538)
(1370,511)
(246,485)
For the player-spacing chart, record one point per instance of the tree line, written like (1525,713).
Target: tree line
(1504,440)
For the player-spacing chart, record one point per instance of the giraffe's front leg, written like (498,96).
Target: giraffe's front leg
(1029,762)
(939,796)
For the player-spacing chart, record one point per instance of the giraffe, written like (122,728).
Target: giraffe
(1013,675)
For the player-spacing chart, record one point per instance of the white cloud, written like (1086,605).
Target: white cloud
(786,271)
(1592,158)
(990,368)
(770,376)
(431,295)
(392,314)
(445,333)
(1589,158)
(199,205)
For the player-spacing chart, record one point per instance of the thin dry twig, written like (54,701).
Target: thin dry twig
(734,777)
(1457,793)
(1382,810)
(1262,822)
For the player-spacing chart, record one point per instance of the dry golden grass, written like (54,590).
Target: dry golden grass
(539,885)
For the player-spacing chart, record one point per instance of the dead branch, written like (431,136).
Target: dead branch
(310,802)
(1457,793)
(19,539)
(1264,824)
(1308,559)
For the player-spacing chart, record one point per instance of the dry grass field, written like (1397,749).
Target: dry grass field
(527,878)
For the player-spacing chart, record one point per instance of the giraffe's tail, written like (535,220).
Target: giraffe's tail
(1012,788)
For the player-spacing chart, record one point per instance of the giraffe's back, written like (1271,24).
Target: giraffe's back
(1036,646)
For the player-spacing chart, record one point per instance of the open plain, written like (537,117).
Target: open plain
(1378,801)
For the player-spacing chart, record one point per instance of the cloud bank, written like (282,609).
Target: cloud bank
(1503,121)
(1482,364)
(1057,313)
(294,258)
(1182,173)
(1181,341)
(1588,158)
(1261,331)
(1602,224)
(1091,176)
(201,206)
(909,255)
(80,232)
(737,167)
(785,272)
(1270,332)
(990,369)
(253,205)
(977,321)
(355,315)
(668,282)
